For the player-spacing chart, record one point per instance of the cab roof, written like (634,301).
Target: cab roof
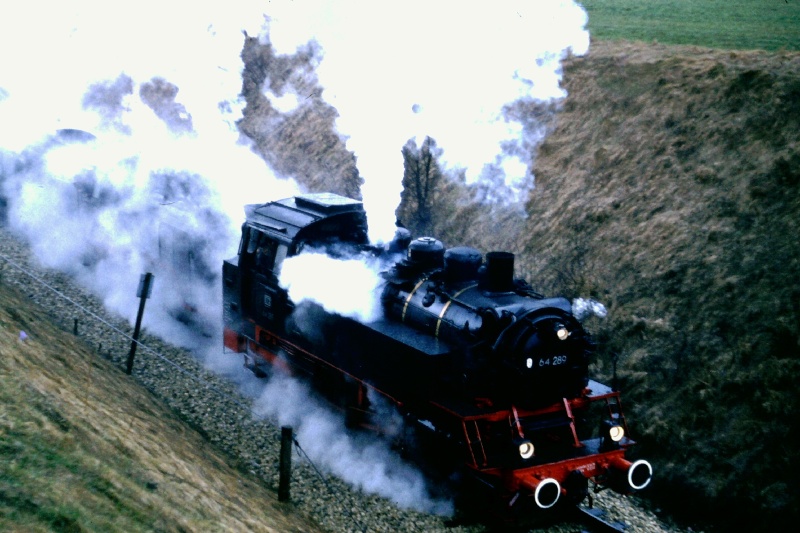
(320,214)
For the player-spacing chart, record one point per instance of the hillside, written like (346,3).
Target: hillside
(83,447)
(668,189)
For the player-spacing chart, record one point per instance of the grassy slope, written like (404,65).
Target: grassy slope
(669,190)
(83,448)
(732,24)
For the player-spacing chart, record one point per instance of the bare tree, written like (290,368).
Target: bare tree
(421,178)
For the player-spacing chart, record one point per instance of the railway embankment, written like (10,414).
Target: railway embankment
(172,446)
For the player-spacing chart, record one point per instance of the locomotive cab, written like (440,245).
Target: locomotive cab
(252,297)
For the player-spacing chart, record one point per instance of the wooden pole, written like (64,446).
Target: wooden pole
(143,293)
(285,464)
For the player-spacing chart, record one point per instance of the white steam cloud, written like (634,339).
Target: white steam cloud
(348,287)
(163,173)
(365,463)
(411,69)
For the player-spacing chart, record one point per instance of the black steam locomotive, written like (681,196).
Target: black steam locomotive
(490,378)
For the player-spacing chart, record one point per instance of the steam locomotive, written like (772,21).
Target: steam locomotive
(489,378)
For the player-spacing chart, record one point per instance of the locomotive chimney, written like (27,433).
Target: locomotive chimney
(498,273)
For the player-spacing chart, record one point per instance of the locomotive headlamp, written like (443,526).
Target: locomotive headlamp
(612,434)
(616,433)
(561,332)
(525,448)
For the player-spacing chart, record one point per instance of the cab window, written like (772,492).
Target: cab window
(265,253)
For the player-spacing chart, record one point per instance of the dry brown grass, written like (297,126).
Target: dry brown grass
(302,144)
(672,178)
(84,448)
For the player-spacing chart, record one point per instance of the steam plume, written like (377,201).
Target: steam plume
(411,69)
(162,159)
(353,294)
(365,463)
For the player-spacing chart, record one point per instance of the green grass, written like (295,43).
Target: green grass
(84,448)
(734,24)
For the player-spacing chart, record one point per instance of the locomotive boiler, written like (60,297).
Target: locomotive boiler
(490,379)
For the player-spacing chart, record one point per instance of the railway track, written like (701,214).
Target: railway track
(597,521)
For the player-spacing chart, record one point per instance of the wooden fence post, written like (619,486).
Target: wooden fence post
(145,288)
(285,464)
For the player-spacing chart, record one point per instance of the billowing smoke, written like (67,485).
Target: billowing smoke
(119,151)
(354,293)
(586,307)
(411,69)
(368,464)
